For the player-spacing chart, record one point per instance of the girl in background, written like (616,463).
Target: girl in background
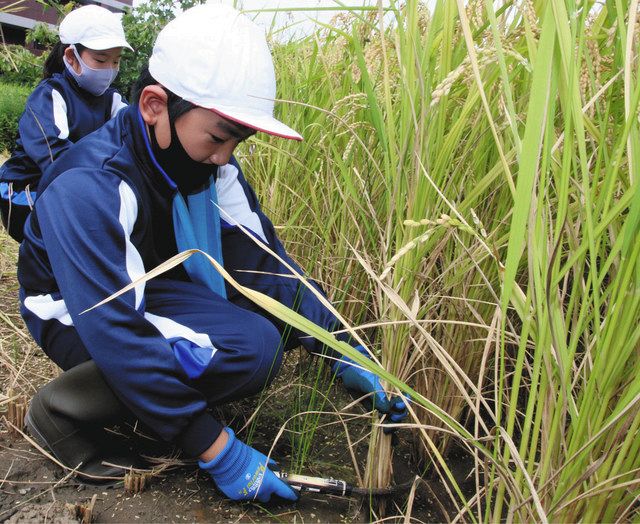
(73,100)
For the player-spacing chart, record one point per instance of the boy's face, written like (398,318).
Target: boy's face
(209,138)
(205,136)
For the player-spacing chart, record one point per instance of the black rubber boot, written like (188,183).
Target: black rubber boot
(68,417)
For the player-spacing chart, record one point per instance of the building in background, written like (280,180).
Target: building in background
(26,14)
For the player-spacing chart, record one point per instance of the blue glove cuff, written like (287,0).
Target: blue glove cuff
(230,462)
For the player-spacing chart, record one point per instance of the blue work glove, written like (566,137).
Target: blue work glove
(241,473)
(359,381)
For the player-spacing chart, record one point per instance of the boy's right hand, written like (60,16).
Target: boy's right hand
(242,473)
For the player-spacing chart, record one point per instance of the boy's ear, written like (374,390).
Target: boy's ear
(153,104)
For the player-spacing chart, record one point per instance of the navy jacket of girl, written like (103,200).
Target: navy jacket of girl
(57,114)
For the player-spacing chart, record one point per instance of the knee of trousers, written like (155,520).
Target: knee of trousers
(81,394)
(264,356)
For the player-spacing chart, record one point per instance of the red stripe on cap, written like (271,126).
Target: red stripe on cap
(238,121)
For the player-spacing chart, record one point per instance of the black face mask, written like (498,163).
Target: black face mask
(188,174)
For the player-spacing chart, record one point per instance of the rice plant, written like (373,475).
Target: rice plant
(467,192)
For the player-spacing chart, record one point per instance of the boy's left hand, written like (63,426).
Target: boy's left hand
(359,381)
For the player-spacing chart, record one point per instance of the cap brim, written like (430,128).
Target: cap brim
(99,44)
(258,121)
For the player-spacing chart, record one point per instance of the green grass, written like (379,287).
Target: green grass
(12,100)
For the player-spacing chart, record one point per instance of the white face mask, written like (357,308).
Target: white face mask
(95,81)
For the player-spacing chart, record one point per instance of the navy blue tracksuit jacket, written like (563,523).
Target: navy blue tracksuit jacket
(57,114)
(170,348)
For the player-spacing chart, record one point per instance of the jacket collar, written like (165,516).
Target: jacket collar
(143,153)
(147,143)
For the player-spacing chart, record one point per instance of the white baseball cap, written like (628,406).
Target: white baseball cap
(218,59)
(94,27)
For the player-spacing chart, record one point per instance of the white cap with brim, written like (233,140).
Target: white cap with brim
(218,59)
(94,27)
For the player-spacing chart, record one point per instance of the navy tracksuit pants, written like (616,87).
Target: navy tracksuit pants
(249,345)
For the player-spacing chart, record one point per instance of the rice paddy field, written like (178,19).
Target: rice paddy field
(468,195)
